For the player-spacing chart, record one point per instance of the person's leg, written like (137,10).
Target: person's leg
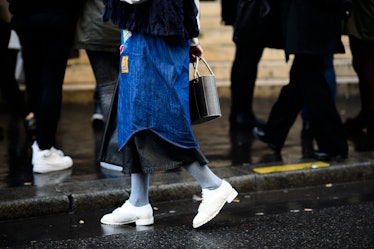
(45,62)
(139,189)
(31,55)
(27,29)
(137,208)
(215,193)
(243,78)
(46,40)
(204,176)
(363,64)
(323,113)
(307,134)
(330,76)
(55,53)
(284,111)
(105,66)
(9,86)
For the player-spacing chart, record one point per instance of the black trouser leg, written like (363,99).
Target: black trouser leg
(243,78)
(285,110)
(46,41)
(308,85)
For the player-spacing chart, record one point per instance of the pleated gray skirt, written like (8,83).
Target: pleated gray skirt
(146,152)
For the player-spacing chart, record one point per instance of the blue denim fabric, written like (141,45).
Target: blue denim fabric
(153,89)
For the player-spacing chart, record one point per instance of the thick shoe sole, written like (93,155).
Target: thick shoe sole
(138,222)
(47,169)
(230,197)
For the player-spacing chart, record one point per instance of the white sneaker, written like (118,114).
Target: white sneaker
(35,148)
(212,203)
(128,213)
(45,161)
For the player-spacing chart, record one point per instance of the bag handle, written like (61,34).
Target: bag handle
(195,65)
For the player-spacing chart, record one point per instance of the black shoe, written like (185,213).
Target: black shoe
(241,144)
(324,156)
(259,133)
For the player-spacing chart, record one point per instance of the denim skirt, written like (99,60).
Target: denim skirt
(154,125)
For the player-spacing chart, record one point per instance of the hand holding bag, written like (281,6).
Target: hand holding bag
(204,100)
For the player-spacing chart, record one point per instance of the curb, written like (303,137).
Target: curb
(34,201)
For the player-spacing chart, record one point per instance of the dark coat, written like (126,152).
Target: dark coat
(228,11)
(258,23)
(94,34)
(71,7)
(312,26)
(172,19)
(361,22)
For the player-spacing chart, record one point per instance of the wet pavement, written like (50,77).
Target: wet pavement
(235,157)
(325,216)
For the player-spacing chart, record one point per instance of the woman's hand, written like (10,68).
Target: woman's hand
(196,51)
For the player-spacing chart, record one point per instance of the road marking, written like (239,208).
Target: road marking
(290,167)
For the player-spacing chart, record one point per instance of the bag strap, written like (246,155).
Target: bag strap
(195,65)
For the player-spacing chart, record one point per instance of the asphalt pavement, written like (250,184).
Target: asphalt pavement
(326,216)
(246,163)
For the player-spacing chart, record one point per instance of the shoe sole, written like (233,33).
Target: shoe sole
(111,166)
(139,222)
(50,170)
(230,197)
(97,118)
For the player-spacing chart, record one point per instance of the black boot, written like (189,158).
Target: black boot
(354,127)
(366,141)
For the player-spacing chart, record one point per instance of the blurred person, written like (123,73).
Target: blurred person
(307,132)
(46,32)
(311,30)
(256,26)
(154,125)
(9,49)
(360,29)
(101,41)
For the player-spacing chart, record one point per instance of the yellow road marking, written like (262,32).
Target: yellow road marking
(290,167)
